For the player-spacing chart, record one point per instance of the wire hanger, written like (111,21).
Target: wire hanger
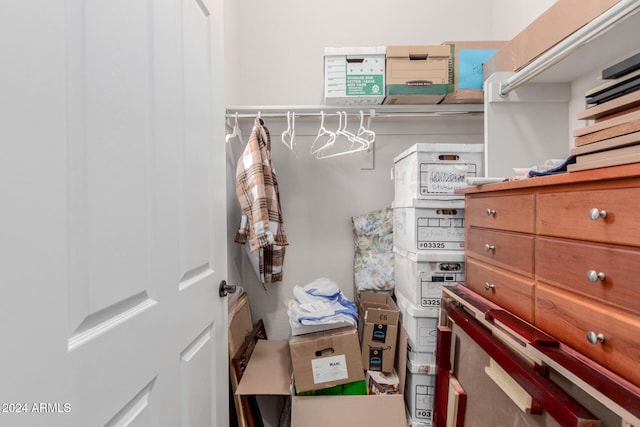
(290,133)
(235,132)
(321,133)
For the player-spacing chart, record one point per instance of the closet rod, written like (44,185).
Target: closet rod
(376,111)
(584,35)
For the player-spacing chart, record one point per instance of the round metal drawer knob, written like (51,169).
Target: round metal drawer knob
(594,338)
(594,276)
(488,286)
(490,212)
(489,248)
(596,214)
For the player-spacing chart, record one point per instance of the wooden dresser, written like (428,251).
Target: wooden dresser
(562,254)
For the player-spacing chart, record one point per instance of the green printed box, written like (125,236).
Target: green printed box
(354,76)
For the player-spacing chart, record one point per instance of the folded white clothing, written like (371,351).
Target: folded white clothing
(321,302)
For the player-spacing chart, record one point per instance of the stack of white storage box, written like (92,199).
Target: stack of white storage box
(428,236)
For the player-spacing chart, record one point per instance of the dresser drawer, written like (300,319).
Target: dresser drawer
(570,318)
(568,214)
(508,290)
(511,213)
(512,251)
(577,265)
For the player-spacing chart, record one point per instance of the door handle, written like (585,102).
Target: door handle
(225,289)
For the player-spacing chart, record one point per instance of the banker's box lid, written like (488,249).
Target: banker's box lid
(430,256)
(269,373)
(451,148)
(415,52)
(412,64)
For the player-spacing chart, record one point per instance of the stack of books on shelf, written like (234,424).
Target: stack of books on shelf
(613,137)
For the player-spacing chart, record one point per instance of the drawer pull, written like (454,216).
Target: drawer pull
(490,212)
(488,286)
(594,338)
(489,248)
(596,214)
(594,276)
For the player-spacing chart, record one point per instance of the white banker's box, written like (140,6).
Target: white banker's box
(354,75)
(421,326)
(420,276)
(434,171)
(426,225)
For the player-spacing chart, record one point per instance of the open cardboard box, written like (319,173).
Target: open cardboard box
(378,317)
(268,373)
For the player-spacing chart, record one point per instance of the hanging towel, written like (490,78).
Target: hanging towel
(261,228)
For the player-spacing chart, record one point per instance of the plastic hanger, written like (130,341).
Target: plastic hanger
(235,133)
(363,144)
(366,133)
(322,132)
(289,135)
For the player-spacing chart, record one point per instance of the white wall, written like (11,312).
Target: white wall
(509,17)
(274,54)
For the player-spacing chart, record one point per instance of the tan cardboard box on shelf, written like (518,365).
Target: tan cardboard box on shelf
(378,318)
(467,70)
(562,19)
(417,74)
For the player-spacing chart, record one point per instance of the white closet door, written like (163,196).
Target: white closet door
(112,223)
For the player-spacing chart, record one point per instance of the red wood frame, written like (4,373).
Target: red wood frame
(614,387)
(443,363)
(562,407)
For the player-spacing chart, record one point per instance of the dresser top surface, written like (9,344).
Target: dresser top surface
(593,175)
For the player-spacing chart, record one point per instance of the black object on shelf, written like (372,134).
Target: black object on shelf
(623,67)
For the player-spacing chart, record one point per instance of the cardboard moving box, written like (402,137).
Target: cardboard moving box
(378,330)
(268,373)
(417,74)
(326,359)
(348,411)
(467,60)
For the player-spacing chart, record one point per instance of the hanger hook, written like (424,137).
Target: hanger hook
(290,132)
